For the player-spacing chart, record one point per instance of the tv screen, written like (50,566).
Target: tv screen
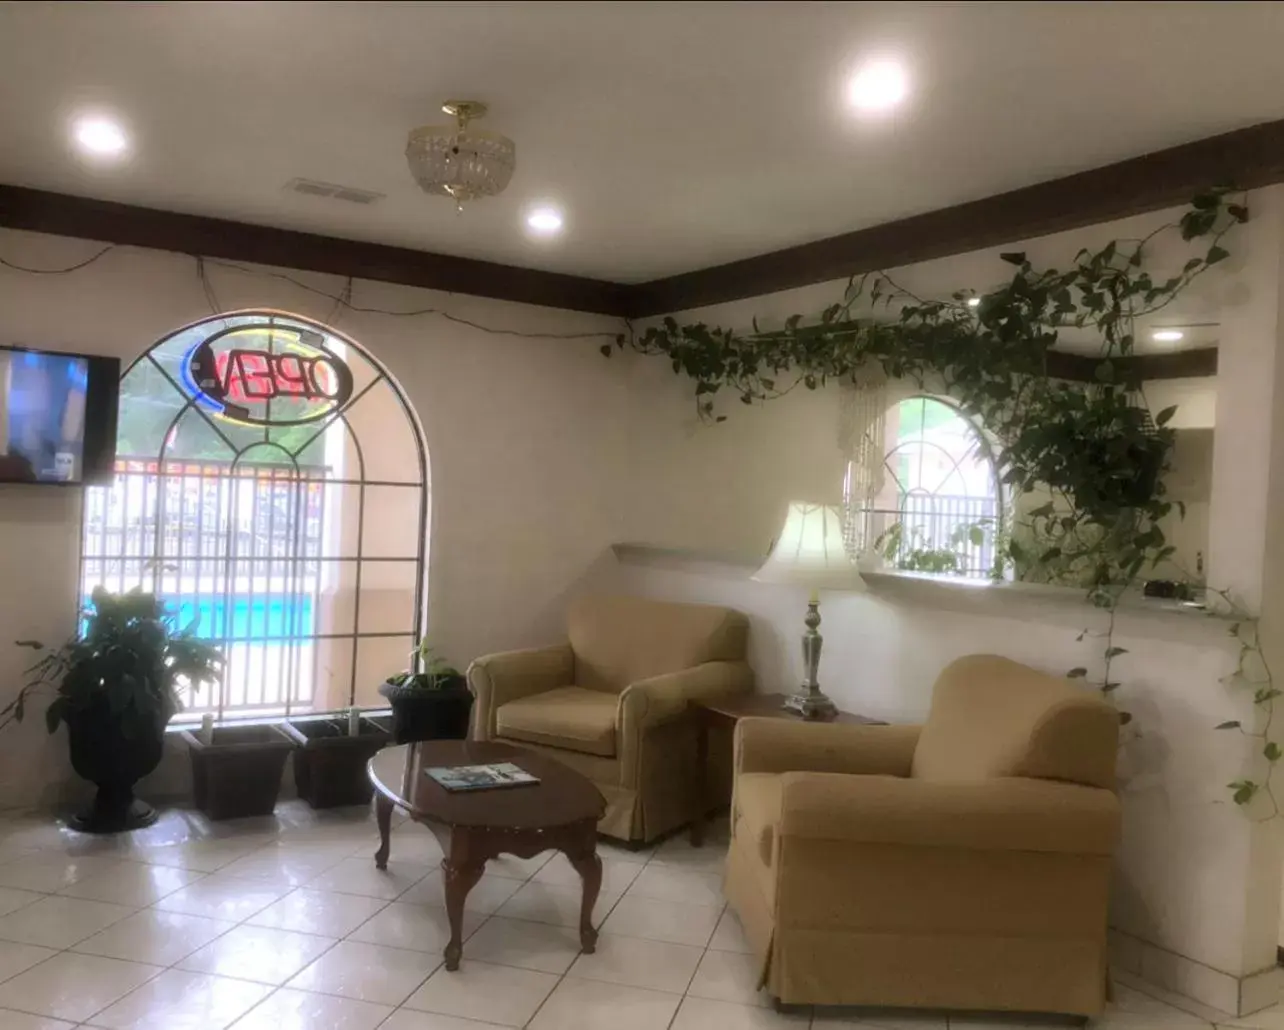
(57,417)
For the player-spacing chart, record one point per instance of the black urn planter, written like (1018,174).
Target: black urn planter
(422,713)
(103,754)
(116,685)
(330,764)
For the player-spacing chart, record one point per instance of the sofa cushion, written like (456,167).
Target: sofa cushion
(568,717)
(620,640)
(758,801)
(993,717)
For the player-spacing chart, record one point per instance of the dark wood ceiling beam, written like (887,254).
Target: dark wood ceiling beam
(63,215)
(1247,158)
(1179,364)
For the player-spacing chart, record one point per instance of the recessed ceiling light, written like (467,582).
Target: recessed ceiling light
(1166,335)
(544,221)
(974,302)
(878,86)
(100,137)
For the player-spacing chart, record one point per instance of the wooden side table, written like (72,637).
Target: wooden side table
(726,712)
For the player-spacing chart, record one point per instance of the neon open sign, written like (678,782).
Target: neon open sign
(267,374)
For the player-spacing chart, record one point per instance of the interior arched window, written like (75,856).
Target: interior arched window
(272,487)
(939,507)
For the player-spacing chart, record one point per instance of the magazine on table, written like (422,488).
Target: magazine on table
(481,777)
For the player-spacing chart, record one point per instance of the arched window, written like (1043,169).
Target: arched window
(939,507)
(272,486)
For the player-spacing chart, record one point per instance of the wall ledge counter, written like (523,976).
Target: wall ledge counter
(1148,617)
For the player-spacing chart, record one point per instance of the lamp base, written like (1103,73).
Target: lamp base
(812,705)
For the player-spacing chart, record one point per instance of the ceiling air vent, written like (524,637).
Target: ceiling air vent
(315,188)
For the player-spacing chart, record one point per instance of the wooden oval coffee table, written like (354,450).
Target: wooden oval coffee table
(560,812)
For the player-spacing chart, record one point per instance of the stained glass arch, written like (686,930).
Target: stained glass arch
(272,484)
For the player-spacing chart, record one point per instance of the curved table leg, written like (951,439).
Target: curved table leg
(583,857)
(383,816)
(459,880)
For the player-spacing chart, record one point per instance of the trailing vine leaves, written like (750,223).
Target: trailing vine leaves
(1106,597)
(1094,447)
(1253,672)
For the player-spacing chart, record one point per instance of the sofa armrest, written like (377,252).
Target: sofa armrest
(1002,814)
(788,745)
(496,679)
(658,699)
(662,700)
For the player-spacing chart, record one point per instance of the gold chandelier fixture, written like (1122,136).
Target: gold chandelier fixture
(458,161)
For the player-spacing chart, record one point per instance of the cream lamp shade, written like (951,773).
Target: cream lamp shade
(810,551)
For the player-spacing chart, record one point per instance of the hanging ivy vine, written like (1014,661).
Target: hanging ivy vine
(1095,448)
(1253,672)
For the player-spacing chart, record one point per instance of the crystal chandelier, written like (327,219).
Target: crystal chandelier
(459,162)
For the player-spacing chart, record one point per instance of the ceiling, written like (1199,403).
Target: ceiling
(675,135)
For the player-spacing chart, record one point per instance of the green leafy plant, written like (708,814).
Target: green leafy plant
(435,672)
(911,553)
(129,663)
(1106,597)
(1094,446)
(1253,672)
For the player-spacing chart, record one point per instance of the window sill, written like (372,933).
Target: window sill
(1137,615)
(186,721)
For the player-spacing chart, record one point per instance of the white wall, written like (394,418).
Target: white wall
(522,435)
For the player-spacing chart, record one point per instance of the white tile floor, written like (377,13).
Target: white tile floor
(284,924)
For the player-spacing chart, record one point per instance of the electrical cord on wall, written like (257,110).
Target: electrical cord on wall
(210,297)
(60,271)
(342,301)
(345,301)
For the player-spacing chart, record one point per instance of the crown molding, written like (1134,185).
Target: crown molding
(1250,158)
(1246,158)
(64,215)
(1198,362)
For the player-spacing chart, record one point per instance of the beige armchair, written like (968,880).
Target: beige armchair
(612,703)
(964,864)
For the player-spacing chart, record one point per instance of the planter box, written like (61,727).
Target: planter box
(330,765)
(419,714)
(239,773)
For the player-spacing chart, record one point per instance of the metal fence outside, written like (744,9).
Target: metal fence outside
(929,533)
(238,553)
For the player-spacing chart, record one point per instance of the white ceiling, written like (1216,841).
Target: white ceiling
(676,135)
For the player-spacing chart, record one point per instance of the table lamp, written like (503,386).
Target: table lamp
(810,552)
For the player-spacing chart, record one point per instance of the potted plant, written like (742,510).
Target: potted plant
(330,758)
(116,690)
(237,770)
(433,704)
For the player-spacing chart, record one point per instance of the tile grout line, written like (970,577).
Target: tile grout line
(152,906)
(562,978)
(267,847)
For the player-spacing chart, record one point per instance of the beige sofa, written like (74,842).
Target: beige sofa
(964,864)
(612,702)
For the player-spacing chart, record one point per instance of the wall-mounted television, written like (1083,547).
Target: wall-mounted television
(57,417)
